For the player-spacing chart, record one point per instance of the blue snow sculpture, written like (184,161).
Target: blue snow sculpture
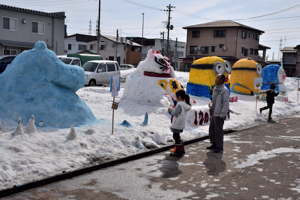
(145,122)
(38,83)
(126,124)
(276,75)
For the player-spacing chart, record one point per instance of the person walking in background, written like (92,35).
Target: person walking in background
(271,94)
(178,124)
(219,108)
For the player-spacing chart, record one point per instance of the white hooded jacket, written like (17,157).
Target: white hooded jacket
(180,117)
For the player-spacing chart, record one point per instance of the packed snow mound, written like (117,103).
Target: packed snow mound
(38,83)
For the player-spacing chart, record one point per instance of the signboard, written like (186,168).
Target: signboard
(257,83)
(115,85)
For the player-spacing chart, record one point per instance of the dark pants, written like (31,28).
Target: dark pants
(269,106)
(176,135)
(216,133)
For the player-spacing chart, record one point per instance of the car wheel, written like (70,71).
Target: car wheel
(92,83)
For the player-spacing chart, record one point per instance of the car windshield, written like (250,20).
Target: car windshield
(66,60)
(90,67)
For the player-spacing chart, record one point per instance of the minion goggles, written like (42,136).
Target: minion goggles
(217,67)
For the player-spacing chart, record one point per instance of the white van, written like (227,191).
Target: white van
(70,60)
(100,71)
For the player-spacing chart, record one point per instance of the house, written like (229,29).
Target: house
(126,53)
(298,60)
(225,38)
(22,28)
(160,45)
(289,60)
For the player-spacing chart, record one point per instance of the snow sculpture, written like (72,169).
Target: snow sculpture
(72,134)
(38,83)
(244,71)
(153,79)
(274,74)
(203,75)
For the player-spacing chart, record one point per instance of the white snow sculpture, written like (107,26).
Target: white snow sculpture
(72,135)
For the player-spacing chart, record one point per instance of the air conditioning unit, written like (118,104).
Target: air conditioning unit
(224,48)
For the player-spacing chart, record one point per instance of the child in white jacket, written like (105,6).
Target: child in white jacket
(178,124)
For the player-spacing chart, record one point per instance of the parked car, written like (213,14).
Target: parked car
(126,66)
(5,60)
(85,57)
(70,60)
(100,71)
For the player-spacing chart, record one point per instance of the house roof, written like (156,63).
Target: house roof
(221,24)
(288,50)
(56,14)
(113,38)
(19,44)
(297,47)
(263,46)
(83,38)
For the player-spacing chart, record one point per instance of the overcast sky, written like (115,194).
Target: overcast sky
(278,18)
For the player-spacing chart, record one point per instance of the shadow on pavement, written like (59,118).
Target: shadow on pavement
(214,163)
(170,167)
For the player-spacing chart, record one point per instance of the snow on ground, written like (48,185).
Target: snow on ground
(29,155)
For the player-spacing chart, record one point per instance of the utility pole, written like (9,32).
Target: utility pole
(169,26)
(142,38)
(163,42)
(116,45)
(176,55)
(98,32)
(90,27)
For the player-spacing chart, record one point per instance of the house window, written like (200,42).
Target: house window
(10,52)
(213,48)
(38,27)
(204,49)
(255,51)
(91,47)
(193,49)
(249,35)
(219,33)
(81,47)
(245,52)
(244,34)
(257,37)
(221,45)
(103,47)
(195,34)
(243,49)
(69,46)
(10,24)
(251,51)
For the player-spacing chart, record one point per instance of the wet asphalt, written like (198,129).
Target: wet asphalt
(258,163)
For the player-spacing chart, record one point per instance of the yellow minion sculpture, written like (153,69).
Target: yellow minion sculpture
(244,71)
(203,74)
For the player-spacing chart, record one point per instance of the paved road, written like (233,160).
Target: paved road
(258,163)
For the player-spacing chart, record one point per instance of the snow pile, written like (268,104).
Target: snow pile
(38,83)
(26,157)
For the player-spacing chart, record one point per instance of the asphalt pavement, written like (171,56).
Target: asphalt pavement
(258,163)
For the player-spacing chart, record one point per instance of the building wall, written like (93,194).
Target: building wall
(233,42)
(298,63)
(53,34)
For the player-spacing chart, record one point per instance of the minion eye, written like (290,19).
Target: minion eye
(161,60)
(259,70)
(227,67)
(218,68)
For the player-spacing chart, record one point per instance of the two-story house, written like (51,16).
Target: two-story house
(158,44)
(298,60)
(225,38)
(22,28)
(126,53)
(289,60)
